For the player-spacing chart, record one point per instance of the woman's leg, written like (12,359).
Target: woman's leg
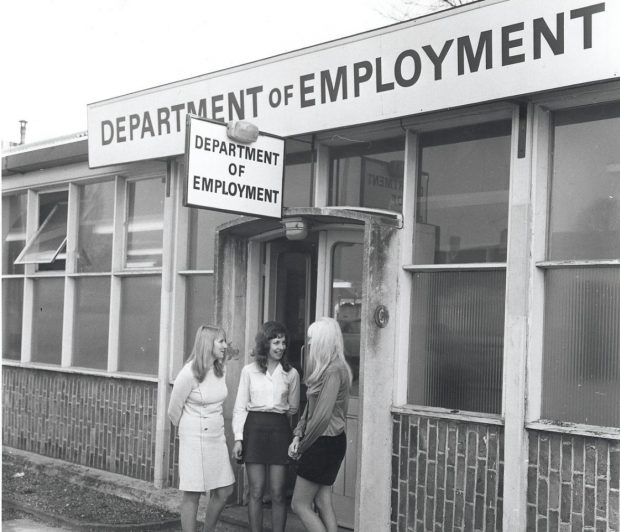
(189,509)
(324,504)
(277,480)
(217,501)
(303,497)
(256,479)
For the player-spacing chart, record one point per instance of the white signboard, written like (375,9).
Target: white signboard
(226,175)
(481,52)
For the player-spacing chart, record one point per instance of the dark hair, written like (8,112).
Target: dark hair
(269,331)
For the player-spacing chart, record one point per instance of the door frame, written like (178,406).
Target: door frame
(238,288)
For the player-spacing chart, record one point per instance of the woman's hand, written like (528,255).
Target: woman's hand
(293,448)
(237,450)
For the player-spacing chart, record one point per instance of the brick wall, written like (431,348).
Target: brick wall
(446,475)
(573,483)
(100,422)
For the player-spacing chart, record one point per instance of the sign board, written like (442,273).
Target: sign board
(226,175)
(481,52)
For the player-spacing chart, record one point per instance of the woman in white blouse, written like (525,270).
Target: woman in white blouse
(268,395)
(196,408)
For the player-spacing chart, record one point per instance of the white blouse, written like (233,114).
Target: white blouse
(262,392)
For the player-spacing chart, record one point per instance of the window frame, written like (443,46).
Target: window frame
(544,106)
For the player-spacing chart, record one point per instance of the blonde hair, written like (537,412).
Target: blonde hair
(201,358)
(326,348)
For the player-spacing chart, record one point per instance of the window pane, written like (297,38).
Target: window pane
(585,188)
(96,227)
(457,340)
(346,301)
(297,174)
(201,246)
(50,238)
(462,195)
(47,320)
(12,308)
(371,176)
(139,334)
(199,307)
(581,375)
(13,232)
(92,322)
(145,222)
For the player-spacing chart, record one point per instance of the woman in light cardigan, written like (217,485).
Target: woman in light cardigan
(320,442)
(196,408)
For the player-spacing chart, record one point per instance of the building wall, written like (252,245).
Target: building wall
(89,420)
(573,482)
(446,474)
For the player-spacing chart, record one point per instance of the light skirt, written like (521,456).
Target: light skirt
(204,462)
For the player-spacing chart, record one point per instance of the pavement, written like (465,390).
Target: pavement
(233,519)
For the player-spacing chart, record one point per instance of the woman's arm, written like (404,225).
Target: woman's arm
(181,389)
(240,411)
(293,393)
(322,413)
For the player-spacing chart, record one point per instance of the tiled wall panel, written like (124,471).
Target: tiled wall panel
(100,422)
(446,475)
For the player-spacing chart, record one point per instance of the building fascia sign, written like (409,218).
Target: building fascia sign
(226,175)
(481,52)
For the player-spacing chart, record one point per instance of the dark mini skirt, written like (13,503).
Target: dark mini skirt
(266,437)
(321,462)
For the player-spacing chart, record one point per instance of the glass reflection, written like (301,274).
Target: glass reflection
(145,222)
(96,227)
(13,232)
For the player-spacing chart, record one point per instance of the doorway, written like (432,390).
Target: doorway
(306,279)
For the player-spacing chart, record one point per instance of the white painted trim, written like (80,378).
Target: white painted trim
(116,282)
(254,294)
(514,387)
(590,431)
(189,273)
(32,223)
(138,273)
(471,267)
(70,307)
(162,424)
(81,371)
(406,236)
(541,146)
(443,413)
(577,263)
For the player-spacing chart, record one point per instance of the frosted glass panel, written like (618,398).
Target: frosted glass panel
(139,335)
(96,227)
(582,346)
(145,223)
(92,322)
(12,309)
(462,195)
(47,320)
(199,307)
(457,340)
(585,190)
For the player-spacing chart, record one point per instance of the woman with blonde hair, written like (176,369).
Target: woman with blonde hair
(196,408)
(320,442)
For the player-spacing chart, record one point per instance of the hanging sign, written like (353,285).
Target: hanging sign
(231,176)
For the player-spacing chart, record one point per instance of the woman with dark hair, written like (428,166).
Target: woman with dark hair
(268,395)
(196,408)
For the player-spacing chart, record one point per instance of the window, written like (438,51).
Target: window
(96,227)
(459,268)
(12,309)
(45,247)
(13,232)
(370,175)
(199,277)
(145,223)
(298,176)
(581,346)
